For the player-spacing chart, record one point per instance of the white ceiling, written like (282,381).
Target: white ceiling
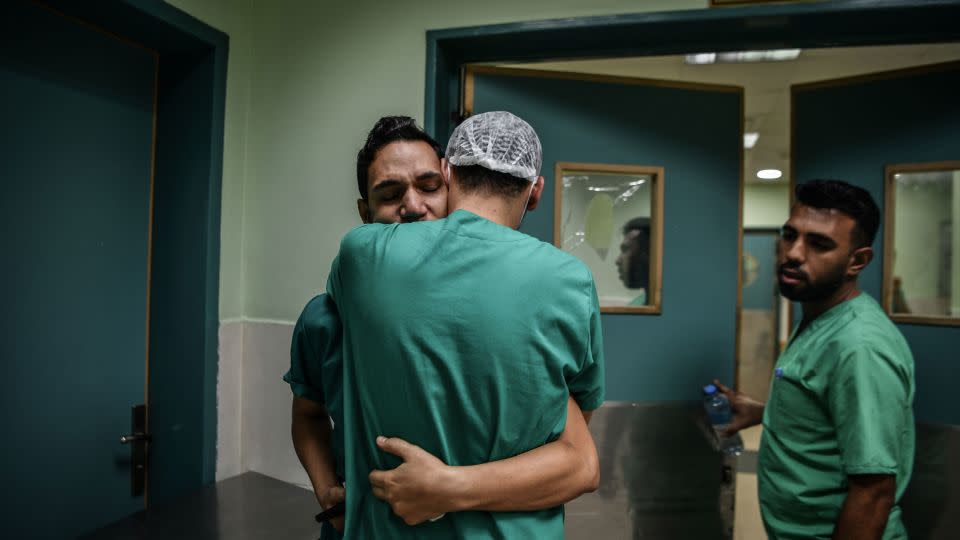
(766,85)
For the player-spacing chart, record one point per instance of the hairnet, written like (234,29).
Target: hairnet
(499,141)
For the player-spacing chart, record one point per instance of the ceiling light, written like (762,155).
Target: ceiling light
(701,58)
(776,55)
(638,182)
(750,139)
(769,174)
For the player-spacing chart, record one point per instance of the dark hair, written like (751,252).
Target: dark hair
(853,201)
(641,224)
(388,129)
(477,178)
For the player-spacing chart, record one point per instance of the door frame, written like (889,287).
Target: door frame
(778,344)
(183,316)
(840,23)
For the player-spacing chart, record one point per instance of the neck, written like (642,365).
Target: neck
(506,212)
(848,291)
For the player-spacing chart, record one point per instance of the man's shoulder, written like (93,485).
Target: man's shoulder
(869,324)
(867,332)
(361,235)
(319,314)
(370,235)
(564,264)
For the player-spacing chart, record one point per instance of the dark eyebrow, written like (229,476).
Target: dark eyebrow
(429,175)
(386,184)
(821,238)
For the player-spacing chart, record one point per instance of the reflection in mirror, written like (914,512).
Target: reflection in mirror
(922,281)
(609,217)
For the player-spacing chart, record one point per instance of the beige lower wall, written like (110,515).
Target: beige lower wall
(253,408)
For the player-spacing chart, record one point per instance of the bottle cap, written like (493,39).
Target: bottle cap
(709,390)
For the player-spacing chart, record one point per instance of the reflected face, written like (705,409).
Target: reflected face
(814,253)
(405,185)
(633,264)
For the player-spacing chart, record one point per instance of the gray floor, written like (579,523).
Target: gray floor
(660,480)
(246,507)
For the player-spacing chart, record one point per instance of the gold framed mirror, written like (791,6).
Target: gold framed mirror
(921,266)
(611,218)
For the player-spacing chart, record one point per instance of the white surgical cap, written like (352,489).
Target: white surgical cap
(499,141)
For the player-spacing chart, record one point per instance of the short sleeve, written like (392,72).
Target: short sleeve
(333,279)
(314,337)
(869,403)
(587,386)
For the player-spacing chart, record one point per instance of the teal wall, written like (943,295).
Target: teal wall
(851,132)
(594,122)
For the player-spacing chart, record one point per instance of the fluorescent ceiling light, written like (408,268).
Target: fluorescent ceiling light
(769,174)
(750,139)
(777,55)
(702,58)
(638,182)
(604,188)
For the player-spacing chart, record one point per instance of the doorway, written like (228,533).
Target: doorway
(111,195)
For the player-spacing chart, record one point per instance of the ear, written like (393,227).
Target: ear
(535,194)
(445,171)
(364,210)
(859,260)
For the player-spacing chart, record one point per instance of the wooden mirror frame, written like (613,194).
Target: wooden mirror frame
(655,286)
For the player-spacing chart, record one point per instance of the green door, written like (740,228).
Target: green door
(76,149)
(694,133)
(851,129)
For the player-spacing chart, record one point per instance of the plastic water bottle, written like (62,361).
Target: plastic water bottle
(720,415)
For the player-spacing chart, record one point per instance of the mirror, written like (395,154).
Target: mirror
(611,218)
(922,237)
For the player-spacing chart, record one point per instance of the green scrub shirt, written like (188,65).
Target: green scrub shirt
(316,372)
(841,403)
(465,338)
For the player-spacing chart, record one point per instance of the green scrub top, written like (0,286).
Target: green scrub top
(841,403)
(465,338)
(316,372)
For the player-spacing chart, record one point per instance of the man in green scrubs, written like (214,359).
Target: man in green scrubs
(472,346)
(399,179)
(838,429)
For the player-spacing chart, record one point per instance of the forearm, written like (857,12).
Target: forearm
(866,510)
(544,477)
(311,434)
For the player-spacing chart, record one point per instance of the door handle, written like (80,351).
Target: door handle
(134,437)
(137,440)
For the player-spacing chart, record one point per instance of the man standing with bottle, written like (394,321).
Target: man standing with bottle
(838,429)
